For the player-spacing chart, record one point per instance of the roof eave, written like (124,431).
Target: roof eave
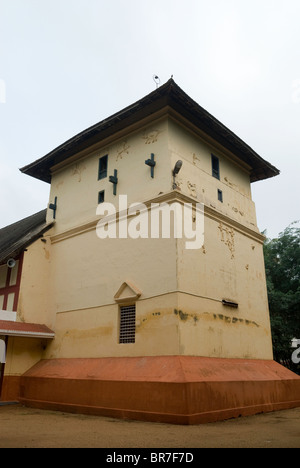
(25,334)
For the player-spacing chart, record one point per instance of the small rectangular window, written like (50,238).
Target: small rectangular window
(215,166)
(220,196)
(127,324)
(101,197)
(102,167)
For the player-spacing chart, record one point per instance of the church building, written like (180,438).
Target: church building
(140,292)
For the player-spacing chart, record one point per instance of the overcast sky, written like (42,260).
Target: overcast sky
(68,64)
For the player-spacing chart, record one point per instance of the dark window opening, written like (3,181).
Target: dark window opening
(220,196)
(230,304)
(215,166)
(127,324)
(101,197)
(102,167)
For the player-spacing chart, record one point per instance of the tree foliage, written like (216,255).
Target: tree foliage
(282,260)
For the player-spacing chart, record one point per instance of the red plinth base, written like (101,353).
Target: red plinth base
(170,389)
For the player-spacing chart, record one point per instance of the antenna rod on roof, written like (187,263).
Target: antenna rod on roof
(156,80)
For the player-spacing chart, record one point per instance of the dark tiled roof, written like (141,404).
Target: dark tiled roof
(168,96)
(16,237)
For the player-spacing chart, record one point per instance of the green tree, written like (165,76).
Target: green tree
(282,260)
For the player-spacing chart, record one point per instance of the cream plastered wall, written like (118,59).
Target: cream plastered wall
(230,267)
(89,272)
(76,186)
(35,303)
(195,179)
(22,354)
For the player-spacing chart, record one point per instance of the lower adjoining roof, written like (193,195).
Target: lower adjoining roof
(28,330)
(16,237)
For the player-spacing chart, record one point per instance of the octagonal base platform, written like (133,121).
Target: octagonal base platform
(168,389)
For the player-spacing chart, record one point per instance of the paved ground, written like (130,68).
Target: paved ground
(22,427)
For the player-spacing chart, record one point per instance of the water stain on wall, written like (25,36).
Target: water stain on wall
(234,320)
(90,333)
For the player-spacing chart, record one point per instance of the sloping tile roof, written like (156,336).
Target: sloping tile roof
(30,330)
(167,96)
(16,237)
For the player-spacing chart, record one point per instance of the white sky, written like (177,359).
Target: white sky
(68,64)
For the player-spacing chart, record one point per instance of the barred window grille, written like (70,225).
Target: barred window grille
(127,324)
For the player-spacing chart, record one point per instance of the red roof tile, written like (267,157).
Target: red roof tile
(31,330)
